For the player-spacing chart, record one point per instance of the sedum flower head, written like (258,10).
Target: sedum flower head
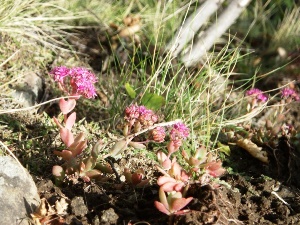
(144,116)
(132,112)
(147,116)
(158,134)
(257,94)
(83,81)
(179,132)
(75,81)
(59,73)
(290,93)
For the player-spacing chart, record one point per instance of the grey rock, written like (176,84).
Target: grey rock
(78,206)
(109,217)
(18,193)
(30,91)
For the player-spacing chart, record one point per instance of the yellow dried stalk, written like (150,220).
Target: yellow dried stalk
(253,149)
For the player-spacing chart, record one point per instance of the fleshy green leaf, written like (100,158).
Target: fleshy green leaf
(153,101)
(130,91)
(118,148)
(224,148)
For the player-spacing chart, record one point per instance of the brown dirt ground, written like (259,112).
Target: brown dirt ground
(251,194)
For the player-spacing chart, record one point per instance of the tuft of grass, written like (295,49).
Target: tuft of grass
(40,22)
(288,30)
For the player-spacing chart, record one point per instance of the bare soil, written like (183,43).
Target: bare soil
(252,193)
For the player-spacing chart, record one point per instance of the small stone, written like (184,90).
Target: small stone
(30,91)
(96,221)
(18,193)
(78,206)
(109,217)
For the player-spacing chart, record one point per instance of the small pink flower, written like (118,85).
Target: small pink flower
(132,113)
(257,94)
(179,132)
(290,93)
(59,73)
(80,81)
(147,116)
(158,134)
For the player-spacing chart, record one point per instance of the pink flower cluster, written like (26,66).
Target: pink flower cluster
(257,94)
(178,133)
(158,134)
(80,81)
(141,114)
(290,93)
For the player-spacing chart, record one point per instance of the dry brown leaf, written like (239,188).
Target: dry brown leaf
(41,211)
(45,214)
(253,149)
(61,206)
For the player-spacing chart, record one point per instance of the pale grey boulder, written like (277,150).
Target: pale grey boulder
(18,193)
(30,90)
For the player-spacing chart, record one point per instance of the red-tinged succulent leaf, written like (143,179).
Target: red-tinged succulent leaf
(201,153)
(164,161)
(163,179)
(65,154)
(215,168)
(118,148)
(79,148)
(78,138)
(178,186)
(167,164)
(104,168)
(184,176)
(194,162)
(162,171)
(143,183)
(66,106)
(57,122)
(94,174)
(90,163)
(217,173)
(81,167)
(185,155)
(179,203)
(66,136)
(176,170)
(136,178)
(161,207)
(182,212)
(169,186)
(171,147)
(163,198)
(127,175)
(85,178)
(137,145)
(70,121)
(161,156)
(97,148)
